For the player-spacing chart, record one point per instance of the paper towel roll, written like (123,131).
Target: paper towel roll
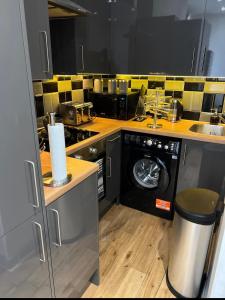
(57,151)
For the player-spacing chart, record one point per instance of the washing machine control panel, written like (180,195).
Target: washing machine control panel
(164,144)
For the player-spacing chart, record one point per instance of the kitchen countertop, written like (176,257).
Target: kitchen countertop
(180,129)
(79,169)
(82,169)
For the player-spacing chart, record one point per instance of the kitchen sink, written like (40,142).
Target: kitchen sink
(208,129)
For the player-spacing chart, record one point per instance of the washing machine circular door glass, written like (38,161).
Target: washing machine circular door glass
(147,173)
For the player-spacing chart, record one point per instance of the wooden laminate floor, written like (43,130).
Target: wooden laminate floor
(133,256)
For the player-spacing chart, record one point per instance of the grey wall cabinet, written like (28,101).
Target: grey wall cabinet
(201,165)
(20,186)
(39,40)
(82,44)
(214,61)
(24,271)
(113,165)
(73,230)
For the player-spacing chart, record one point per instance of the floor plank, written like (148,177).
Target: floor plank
(133,256)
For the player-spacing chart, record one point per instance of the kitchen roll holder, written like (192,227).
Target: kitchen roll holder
(50,182)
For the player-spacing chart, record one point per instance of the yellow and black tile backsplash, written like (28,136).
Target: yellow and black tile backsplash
(198,94)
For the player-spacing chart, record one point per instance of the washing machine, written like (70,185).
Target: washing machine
(149,173)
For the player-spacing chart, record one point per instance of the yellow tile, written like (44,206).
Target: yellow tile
(64,86)
(88,84)
(78,96)
(172,85)
(192,101)
(38,89)
(156,78)
(215,87)
(153,92)
(76,77)
(51,102)
(194,79)
(124,77)
(137,83)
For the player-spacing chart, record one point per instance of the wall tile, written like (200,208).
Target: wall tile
(65,97)
(77,85)
(174,85)
(51,102)
(215,87)
(194,86)
(137,84)
(88,84)
(156,84)
(174,94)
(192,101)
(64,86)
(38,88)
(50,87)
(78,96)
(39,105)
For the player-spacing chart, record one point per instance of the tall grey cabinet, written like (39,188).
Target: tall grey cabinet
(23,258)
(39,41)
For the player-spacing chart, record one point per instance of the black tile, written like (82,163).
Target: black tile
(97,76)
(129,84)
(212,79)
(221,79)
(156,84)
(175,94)
(211,101)
(109,76)
(175,78)
(39,105)
(50,87)
(135,90)
(194,86)
(190,115)
(144,77)
(77,85)
(135,77)
(64,78)
(65,97)
(88,77)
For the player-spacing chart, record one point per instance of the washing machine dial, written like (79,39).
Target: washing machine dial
(166,147)
(149,142)
(159,146)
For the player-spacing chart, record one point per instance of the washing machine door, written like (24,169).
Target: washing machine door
(151,173)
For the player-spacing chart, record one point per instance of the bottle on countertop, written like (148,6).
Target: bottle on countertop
(214,119)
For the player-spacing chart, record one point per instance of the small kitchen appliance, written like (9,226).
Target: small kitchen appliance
(114,106)
(76,114)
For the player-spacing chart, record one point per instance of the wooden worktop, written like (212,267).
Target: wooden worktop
(105,127)
(79,169)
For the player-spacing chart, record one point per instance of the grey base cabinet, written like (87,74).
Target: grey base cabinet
(202,165)
(24,270)
(73,231)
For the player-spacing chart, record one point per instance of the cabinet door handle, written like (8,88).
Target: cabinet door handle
(43,258)
(114,140)
(37,204)
(59,244)
(193,59)
(203,64)
(185,155)
(47,51)
(110,167)
(82,57)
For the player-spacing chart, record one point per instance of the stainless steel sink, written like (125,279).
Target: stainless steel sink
(208,129)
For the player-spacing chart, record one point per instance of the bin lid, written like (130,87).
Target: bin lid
(197,205)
